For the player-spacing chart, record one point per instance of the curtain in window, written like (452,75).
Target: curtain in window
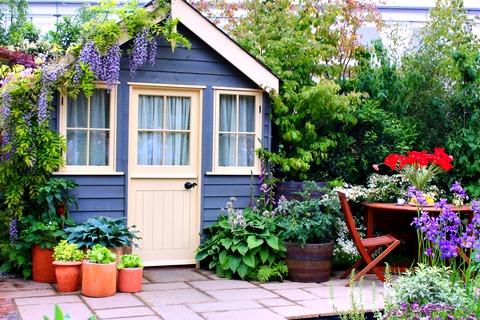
(159,143)
(88,129)
(177,151)
(150,138)
(227,125)
(236,145)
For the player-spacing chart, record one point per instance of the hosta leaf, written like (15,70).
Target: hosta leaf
(234,262)
(253,242)
(264,253)
(249,260)
(227,242)
(273,242)
(242,270)
(242,249)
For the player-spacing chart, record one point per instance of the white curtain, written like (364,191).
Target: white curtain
(150,122)
(178,143)
(88,136)
(227,127)
(236,145)
(159,144)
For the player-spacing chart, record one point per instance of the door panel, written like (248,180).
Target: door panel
(163,155)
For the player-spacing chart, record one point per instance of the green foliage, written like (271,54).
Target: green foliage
(101,255)
(308,220)
(102,230)
(424,285)
(239,243)
(65,251)
(59,315)
(56,196)
(15,29)
(130,261)
(45,230)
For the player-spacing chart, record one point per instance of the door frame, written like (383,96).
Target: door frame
(198,90)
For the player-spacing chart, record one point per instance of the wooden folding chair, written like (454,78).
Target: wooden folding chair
(366,247)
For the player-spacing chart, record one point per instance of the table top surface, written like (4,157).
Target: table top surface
(409,207)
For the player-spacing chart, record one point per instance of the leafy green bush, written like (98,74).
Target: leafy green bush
(100,254)
(244,244)
(66,252)
(130,261)
(102,230)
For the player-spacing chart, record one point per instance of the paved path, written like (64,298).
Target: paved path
(189,293)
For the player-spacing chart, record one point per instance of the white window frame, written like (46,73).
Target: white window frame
(86,169)
(236,170)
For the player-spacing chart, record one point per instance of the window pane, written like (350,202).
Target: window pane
(150,148)
(98,155)
(178,113)
(77,112)
(76,147)
(228,113)
(246,117)
(100,109)
(226,150)
(177,149)
(246,150)
(150,112)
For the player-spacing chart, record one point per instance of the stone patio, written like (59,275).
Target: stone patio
(189,293)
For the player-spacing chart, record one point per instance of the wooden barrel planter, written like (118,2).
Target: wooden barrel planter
(290,190)
(311,264)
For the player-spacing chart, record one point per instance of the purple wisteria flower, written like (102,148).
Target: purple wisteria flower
(13,229)
(144,47)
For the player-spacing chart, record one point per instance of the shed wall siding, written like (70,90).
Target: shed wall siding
(199,66)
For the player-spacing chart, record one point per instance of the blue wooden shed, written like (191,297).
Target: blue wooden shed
(168,147)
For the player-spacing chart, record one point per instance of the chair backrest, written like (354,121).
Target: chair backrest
(347,213)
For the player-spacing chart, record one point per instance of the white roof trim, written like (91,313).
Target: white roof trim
(224,45)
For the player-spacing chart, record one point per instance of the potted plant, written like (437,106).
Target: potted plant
(42,234)
(99,272)
(108,232)
(67,261)
(130,273)
(308,229)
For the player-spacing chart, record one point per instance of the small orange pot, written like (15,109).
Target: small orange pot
(99,280)
(130,279)
(68,275)
(42,267)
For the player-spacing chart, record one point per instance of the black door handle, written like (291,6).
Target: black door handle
(188,185)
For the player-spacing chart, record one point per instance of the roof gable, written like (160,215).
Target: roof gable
(224,45)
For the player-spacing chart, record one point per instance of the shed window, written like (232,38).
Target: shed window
(238,124)
(88,125)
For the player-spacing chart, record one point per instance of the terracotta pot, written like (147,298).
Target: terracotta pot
(42,267)
(130,279)
(311,264)
(99,280)
(68,275)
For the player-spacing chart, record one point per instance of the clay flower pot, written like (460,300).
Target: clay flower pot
(68,275)
(99,280)
(130,279)
(42,267)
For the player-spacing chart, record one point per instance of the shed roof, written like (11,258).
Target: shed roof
(224,45)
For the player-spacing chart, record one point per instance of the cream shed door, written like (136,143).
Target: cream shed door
(164,155)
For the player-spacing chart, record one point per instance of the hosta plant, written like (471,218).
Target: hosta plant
(244,244)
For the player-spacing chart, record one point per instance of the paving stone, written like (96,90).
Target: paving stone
(27,293)
(263,314)
(176,312)
(242,294)
(221,285)
(34,312)
(172,274)
(224,306)
(119,300)
(17,284)
(165,286)
(295,312)
(8,310)
(295,294)
(130,312)
(288,285)
(173,297)
(47,300)
(152,317)
(278,302)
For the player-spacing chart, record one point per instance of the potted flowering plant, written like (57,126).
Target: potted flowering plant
(419,167)
(99,274)
(308,229)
